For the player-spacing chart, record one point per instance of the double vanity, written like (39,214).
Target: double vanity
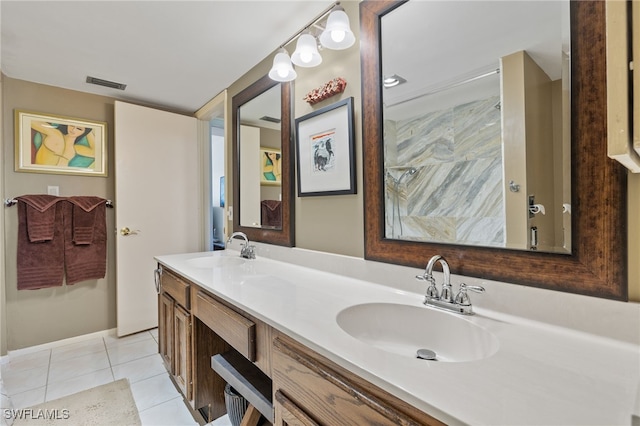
(319,347)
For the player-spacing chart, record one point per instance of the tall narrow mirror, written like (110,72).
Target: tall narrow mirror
(260,149)
(262,162)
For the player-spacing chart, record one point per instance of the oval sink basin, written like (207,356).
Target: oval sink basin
(404,329)
(212,262)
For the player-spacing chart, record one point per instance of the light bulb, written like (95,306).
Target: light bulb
(282,72)
(306,57)
(338,35)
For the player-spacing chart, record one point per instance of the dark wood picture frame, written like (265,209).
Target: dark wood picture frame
(330,123)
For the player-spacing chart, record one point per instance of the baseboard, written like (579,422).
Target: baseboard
(57,343)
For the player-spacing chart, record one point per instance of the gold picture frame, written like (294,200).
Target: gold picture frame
(56,144)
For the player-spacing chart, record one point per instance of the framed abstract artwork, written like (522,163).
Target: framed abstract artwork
(59,145)
(325,144)
(270,166)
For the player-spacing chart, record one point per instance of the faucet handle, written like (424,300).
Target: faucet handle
(462,298)
(248,251)
(432,291)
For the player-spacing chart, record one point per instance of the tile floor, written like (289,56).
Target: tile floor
(31,378)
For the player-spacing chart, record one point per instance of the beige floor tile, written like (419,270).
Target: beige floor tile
(140,369)
(77,384)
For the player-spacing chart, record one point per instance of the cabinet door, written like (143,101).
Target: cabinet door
(182,350)
(289,414)
(165,329)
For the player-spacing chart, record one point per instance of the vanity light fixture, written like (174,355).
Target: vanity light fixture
(393,81)
(336,35)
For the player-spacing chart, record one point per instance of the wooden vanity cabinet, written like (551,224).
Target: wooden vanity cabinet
(196,328)
(219,328)
(309,389)
(174,330)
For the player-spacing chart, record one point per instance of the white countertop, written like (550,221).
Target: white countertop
(540,375)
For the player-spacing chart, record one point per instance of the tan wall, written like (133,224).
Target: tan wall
(540,149)
(332,223)
(515,157)
(45,315)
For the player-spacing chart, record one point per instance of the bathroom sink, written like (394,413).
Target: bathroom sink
(405,329)
(215,261)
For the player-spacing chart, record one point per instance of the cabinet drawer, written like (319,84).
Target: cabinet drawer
(176,288)
(325,393)
(235,329)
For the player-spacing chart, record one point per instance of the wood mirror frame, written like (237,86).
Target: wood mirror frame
(284,236)
(597,265)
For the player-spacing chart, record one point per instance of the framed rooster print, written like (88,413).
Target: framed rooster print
(325,144)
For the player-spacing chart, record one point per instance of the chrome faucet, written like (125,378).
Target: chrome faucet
(246,251)
(445,300)
(432,291)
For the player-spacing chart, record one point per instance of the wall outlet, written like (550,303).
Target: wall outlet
(53,190)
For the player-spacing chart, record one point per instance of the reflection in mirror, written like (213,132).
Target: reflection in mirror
(260,161)
(263,158)
(477,123)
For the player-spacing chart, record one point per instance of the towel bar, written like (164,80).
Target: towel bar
(8,202)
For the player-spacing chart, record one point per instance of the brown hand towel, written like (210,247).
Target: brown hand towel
(40,218)
(271,213)
(41,262)
(85,242)
(84,217)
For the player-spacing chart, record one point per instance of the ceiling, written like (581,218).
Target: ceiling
(176,55)
(439,44)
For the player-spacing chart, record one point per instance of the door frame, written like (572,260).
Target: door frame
(216,107)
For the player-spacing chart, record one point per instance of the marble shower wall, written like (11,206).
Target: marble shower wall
(456,196)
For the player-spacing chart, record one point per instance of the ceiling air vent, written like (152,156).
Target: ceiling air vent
(106,83)
(270,119)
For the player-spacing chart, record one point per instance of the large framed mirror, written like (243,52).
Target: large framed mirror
(263,162)
(586,250)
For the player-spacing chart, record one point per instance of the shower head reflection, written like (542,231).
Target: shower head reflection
(412,171)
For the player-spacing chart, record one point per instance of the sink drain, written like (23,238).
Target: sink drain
(426,354)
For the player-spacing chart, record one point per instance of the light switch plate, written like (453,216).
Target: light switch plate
(53,190)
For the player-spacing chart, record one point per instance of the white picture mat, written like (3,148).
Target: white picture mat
(339,177)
